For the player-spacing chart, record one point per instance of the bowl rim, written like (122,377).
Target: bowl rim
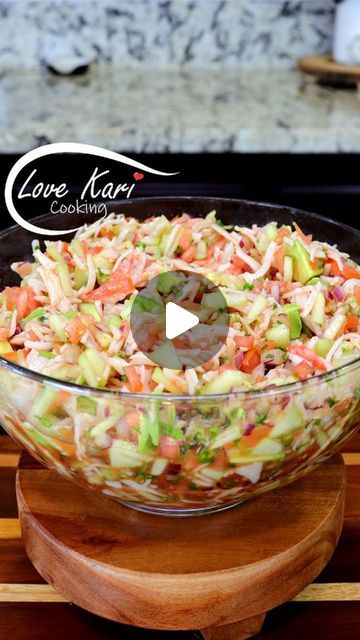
(292,387)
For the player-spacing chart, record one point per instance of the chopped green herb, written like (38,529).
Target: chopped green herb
(261,418)
(47,354)
(332,401)
(247,286)
(205,456)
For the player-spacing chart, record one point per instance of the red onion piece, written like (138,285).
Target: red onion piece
(338,294)
(238,360)
(249,429)
(275,292)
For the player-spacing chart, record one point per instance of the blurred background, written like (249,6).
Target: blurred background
(206,87)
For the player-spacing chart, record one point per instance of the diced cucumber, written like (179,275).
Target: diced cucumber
(280,335)
(213,301)
(231,434)
(77,249)
(235,300)
(226,381)
(44,402)
(257,307)
(80,278)
(64,277)
(322,346)
(86,405)
(295,324)
(124,454)
(166,355)
(288,268)
(113,321)
(67,372)
(104,339)
(102,263)
(291,420)
(149,431)
(145,303)
(267,447)
(159,377)
(57,322)
(166,281)
(268,234)
(201,250)
(303,268)
(159,466)
(212,474)
(335,326)
(89,308)
(318,310)
(104,426)
(93,368)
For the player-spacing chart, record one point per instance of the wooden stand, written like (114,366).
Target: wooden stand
(219,573)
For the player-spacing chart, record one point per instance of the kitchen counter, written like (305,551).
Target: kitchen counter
(158,110)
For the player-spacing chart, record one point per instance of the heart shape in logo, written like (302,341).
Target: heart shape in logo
(138,176)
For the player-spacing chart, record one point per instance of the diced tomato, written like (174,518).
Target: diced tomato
(169,447)
(190,461)
(303,370)
(309,355)
(225,367)
(351,324)
(334,268)
(250,361)
(238,265)
(93,251)
(22,299)
(244,342)
(132,419)
(75,330)
(185,240)
(189,254)
(134,379)
(279,256)
(219,244)
(350,272)
(259,433)
(118,285)
(221,462)
(357,294)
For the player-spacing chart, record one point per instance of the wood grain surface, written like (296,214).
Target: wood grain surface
(165,574)
(297,620)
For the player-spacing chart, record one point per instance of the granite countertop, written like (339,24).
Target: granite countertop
(194,110)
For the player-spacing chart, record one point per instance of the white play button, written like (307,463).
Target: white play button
(178,320)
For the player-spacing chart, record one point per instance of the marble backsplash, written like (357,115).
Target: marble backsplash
(164,33)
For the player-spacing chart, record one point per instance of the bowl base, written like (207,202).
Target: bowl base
(170,512)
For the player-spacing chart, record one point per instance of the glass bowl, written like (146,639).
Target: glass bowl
(97,444)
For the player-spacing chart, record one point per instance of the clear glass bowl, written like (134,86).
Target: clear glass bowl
(312,418)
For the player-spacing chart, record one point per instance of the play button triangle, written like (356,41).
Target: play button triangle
(178,320)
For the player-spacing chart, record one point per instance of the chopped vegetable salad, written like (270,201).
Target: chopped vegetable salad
(294,304)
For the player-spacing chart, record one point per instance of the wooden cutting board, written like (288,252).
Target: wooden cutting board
(329,72)
(218,573)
